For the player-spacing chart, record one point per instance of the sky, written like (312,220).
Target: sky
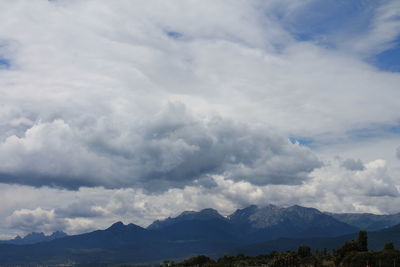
(138,110)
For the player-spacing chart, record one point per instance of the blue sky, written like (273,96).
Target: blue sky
(137,111)
(328,22)
(328,18)
(4,63)
(389,59)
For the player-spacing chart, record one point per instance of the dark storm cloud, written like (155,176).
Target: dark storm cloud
(353,165)
(169,150)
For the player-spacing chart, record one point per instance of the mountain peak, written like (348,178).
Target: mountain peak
(203,215)
(210,212)
(185,213)
(301,208)
(117,225)
(58,234)
(199,215)
(35,236)
(241,215)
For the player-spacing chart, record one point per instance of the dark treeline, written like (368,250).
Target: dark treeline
(353,253)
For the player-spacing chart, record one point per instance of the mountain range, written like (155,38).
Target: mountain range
(252,230)
(33,238)
(367,221)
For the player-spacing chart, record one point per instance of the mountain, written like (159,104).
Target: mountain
(271,222)
(367,221)
(250,225)
(33,238)
(206,224)
(121,243)
(203,215)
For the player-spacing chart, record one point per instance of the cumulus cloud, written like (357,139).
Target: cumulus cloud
(373,181)
(376,180)
(171,149)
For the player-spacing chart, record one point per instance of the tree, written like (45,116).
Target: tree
(389,246)
(348,248)
(197,261)
(304,251)
(363,240)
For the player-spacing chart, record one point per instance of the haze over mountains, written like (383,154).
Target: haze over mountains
(251,230)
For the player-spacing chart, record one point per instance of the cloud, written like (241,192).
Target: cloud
(236,65)
(172,149)
(332,188)
(372,181)
(42,220)
(378,182)
(35,220)
(353,165)
(398,152)
(153,109)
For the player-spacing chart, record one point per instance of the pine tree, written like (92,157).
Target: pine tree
(363,240)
